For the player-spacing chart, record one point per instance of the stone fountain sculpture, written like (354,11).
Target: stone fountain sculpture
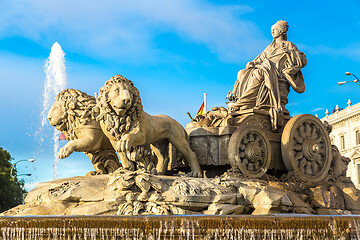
(72,114)
(256,158)
(129,127)
(266,81)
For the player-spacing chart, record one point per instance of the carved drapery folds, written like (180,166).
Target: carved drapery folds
(266,81)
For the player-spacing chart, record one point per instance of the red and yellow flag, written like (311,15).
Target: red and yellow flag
(62,136)
(201,109)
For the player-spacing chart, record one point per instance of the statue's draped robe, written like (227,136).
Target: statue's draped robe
(258,86)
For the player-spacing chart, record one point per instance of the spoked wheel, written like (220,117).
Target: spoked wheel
(250,151)
(306,147)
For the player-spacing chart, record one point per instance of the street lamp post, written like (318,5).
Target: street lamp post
(14,165)
(25,174)
(354,81)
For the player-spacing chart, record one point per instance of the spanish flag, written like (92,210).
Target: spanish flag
(201,109)
(62,136)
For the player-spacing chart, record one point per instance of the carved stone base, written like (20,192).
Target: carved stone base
(139,193)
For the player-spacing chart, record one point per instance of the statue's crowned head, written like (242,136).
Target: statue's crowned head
(282,26)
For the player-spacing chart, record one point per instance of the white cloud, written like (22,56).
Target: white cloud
(317,109)
(126,29)
(350,51)
(297,103)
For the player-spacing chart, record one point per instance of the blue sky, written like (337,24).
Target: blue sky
(174,51)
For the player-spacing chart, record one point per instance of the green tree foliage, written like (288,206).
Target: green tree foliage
(11,189)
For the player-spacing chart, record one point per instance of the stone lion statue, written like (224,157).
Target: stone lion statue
(128,126)
(72,114)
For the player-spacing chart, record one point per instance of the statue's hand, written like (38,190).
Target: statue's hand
(291,70)
(125,143)
(250,65)
(66,151)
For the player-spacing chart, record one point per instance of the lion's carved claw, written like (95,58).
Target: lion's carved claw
(65,151)
(125,143)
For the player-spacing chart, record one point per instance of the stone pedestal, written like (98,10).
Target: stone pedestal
(139,193)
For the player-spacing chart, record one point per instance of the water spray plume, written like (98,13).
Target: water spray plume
(55,82)
(55,78)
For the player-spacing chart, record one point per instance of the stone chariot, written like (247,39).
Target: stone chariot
(249,144)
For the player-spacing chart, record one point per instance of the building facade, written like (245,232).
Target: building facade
(346,136)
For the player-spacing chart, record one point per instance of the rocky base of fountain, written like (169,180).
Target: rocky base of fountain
(140,193)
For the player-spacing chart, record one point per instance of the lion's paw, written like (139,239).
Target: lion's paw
(125,143)
(194,174)
(91,173)
(65,151)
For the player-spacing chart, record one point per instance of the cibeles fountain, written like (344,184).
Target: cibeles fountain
(246,171)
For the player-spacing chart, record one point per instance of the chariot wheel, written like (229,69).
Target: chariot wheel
(306,148)
(250,151)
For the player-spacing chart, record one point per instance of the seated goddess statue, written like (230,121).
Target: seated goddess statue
(265,82)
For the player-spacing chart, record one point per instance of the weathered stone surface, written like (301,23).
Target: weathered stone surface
(42,209)
(131,130)
(248,192)
(210,144)
(247,88)
(329,211)
(272,200)
(299,203)
(224,209)
(72,114)
(327,197)
(351,195)
(140,193)
(226,198)
(97,208)
(271,197)
(85,189)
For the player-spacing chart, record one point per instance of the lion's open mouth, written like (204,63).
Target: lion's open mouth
(61,126)
(122,107)
(58,124)
(119,110)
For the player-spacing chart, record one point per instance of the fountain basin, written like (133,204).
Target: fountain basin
(289,226)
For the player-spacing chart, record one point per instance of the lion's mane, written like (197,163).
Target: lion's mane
(78,110)
(116,125)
